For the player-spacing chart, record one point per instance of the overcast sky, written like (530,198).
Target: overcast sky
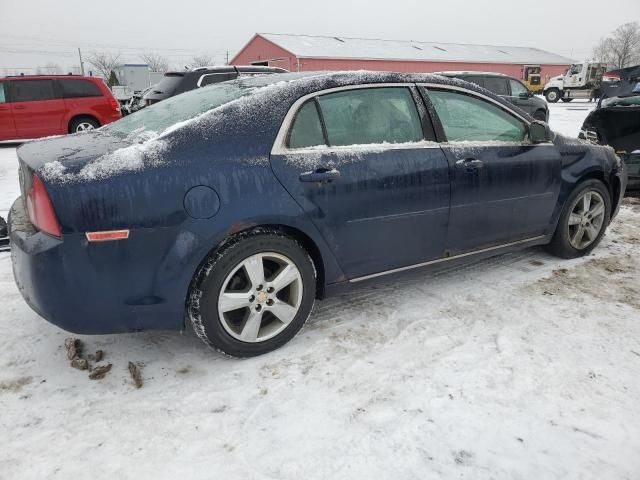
(36,32)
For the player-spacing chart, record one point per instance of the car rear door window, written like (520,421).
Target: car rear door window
(466,118)
(496,85)
(517,88)
(32,90)
(370,116)
(77,88)
(307,127)
(3,95)
(473,79)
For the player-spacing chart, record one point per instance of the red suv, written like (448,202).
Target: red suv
(42,105)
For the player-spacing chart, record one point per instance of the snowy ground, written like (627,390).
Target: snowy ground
(520,367)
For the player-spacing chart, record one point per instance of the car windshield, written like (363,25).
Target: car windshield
(160,116)
(621,101)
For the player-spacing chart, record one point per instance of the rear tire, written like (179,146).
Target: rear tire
(83,124)
(583,220)
(253,295)
(552,95)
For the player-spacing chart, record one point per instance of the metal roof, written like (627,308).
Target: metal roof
(310,46)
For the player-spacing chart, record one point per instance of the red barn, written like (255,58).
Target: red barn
(308,52)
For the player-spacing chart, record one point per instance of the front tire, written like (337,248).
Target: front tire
(583,221)
(552,95)
(253,295)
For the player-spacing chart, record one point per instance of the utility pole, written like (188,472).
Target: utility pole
(81,62)
(227,57)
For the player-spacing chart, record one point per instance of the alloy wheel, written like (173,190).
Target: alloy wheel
(586,219)
(260,297)
(84,126)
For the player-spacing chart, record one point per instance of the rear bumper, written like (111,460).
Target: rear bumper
(88,290)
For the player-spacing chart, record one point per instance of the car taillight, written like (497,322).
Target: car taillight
(114,104)
(611,77)
(40,209)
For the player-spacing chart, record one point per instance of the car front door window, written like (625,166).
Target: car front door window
(467,118)
(518,89)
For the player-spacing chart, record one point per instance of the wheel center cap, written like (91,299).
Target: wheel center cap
(262,297)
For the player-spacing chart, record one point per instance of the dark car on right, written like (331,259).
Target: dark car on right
(509,88)
(616,122)
(174,83)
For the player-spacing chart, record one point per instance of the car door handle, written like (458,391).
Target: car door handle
(19,107)
(470,164)
(324,175)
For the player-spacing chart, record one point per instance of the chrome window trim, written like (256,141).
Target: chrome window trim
(280,147)
(446,259)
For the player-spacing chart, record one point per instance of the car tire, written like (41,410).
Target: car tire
(552,95)
(580,228)
(540,115)
(253,295)
(83,124)
(567,100)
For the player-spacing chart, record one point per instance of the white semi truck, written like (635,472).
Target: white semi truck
(580,81)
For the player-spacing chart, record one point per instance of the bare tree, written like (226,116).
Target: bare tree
(104,63)
(201,61)
(157,63)
(622,48)
(52,69)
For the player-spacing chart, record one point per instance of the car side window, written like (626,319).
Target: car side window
(3,95)
(496,85)
(474,79)
(517,88)
(77,88)
(32,90)
(370,116)
(306,130)
(467,118)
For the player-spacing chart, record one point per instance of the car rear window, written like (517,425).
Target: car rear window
(211,78)
(160,116)
(169,83)
(32,90)
(3,97)
(77,88)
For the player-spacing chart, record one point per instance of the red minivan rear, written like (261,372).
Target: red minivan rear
(44,105)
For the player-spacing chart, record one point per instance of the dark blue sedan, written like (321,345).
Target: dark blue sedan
(233,207)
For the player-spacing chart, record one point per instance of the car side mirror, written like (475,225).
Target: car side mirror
(525,95)
(539,132)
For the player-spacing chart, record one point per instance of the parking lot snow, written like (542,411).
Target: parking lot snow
(522,366)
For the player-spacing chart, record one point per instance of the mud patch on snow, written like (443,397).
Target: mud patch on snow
(609,278)
(15,385)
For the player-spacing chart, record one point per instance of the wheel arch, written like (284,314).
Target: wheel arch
(612,183)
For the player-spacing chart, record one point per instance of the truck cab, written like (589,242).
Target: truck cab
(580,81)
